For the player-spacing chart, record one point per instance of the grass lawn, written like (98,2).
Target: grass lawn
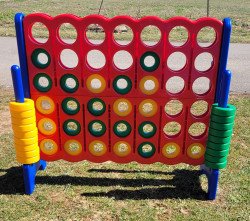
(238,10)
(109,191)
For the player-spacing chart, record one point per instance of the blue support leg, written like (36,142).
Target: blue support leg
(213,180)
(29,175)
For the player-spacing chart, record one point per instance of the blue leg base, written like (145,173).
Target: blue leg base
(213,179)
(29,175)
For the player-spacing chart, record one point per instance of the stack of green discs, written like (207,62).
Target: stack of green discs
(219,136)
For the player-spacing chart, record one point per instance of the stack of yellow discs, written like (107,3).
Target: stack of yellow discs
(23,118)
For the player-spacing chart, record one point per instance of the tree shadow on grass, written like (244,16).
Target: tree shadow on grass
(183,184)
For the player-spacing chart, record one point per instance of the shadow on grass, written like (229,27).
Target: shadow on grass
(185,184)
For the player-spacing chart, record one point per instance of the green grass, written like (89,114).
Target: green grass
(109,191)
(237,10)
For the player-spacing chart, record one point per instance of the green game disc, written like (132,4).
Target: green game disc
(70,106)
(37,61)
(220,140)
(122,84)
(220,133)
(122,128)
(222,120)
(69,83)
(215,159)
(146,149)
(96,106)
(71,127)
(97,128)
(221,111)
(155,64)
(216,146)
(42,82)
(222,127)
(147,129)
(217,153)
(216,165)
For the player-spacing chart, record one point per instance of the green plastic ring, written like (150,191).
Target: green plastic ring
(222,127)
(35,60)
(97,133)
(215,159)
(68,110)
(122,90)
(147,134)
(219,140)
(222,120)
(146,154)
(63,80)
(224,112)
(220,133)
(216,165)
(123,133)
(217,153)
(93,111)
(154,66)
(219,147)
(69,131)
(40,87)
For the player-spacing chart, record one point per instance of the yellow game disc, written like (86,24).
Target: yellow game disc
(28,160)
(195,150)
(28,154)
(31,147)
(122,107)
(96,83)
(149,85)
(23,114)
(45,105)
(97,148)
(23,121)
(26,135)
(73,147)
(26,142)
(20,107)
(171,150)
(47,126)
(23,128)
(48,146)
(148,108)
(122,148)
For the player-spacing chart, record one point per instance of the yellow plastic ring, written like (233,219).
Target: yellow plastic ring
(171,150)
(25,142)
(100,80)
(23,121)
(122,148)
(45,105)
(28,160)
(144,81)
(194,154)
(122,107)
(26,135)
(30,147)
(20,107)
(97,148)
(48,146)
(28,154)
(47,126)
(23,128)
(23,114)
(73,147)
(148,108)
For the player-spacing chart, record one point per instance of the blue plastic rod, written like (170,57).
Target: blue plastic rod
(17,83)
(225,88)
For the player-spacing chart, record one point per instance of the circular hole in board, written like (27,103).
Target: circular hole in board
(150,35)
(201,85)
(40,32)
(178,36)
(199,108)
(206,37)
(95,34)
(175,85)
(96,59)
(173,108)
(123,60)
(69,58)
(197,129)
(67,33)
(123,34)
(172,129)
(203,62)
(176,61)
